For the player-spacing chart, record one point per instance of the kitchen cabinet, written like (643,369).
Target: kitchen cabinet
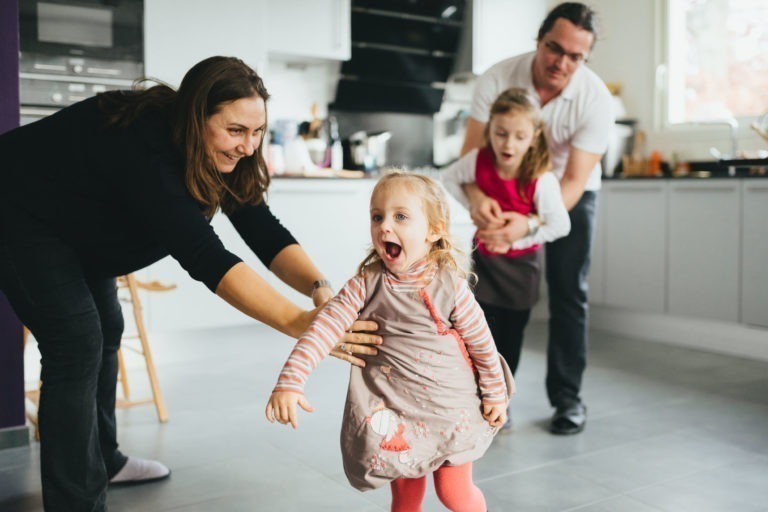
(191,305)
(329,218)
(309,29)
(704,242)
(634,245)
(754,276)
(400,51)
(503,29)
(596,276)
(178,36)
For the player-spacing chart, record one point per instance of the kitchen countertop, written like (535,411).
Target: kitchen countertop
(714,169)
(329,174)
(321,174)
(710,170)
(691,176)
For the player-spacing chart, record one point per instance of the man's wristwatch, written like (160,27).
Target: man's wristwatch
(321,283)
(533,224)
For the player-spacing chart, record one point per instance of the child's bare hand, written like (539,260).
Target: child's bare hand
(282,407)
(486,213)
(495,415)
(498,248)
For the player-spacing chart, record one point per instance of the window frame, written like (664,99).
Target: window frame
(661,100)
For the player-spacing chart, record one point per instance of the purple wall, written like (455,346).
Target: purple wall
(11,351)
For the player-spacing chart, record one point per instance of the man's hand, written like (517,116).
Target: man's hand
(358,341)
(496,240)
(486,213)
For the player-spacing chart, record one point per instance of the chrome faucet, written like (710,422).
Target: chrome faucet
(733,125)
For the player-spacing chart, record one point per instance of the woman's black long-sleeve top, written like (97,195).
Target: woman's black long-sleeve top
(117,196)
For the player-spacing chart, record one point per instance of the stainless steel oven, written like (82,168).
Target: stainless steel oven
(73,49)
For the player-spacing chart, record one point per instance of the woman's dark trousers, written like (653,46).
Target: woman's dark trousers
(78,323)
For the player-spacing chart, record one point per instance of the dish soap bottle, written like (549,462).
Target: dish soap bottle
(337,153)
(654,165)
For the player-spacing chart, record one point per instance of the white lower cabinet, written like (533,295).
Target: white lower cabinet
(331,222)
(685,248)
(596,276)
(634,224)
(754,259)
(329,218)
(704,241)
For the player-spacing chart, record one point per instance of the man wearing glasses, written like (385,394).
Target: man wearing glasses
(578,111)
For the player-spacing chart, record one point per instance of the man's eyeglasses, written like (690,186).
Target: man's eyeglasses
(555,49)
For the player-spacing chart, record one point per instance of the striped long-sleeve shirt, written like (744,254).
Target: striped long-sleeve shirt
(341,312)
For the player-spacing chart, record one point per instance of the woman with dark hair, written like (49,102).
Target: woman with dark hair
(108,186)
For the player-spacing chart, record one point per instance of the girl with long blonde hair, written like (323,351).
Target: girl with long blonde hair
(432,399)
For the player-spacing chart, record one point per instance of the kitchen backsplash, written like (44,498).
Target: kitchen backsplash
(294,88)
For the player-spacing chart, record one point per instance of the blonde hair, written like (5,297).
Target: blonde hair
(536,160)
(443,252)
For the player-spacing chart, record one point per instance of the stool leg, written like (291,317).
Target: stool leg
(122,376)
(32,396)
(162,413)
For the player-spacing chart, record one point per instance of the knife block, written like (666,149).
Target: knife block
(634,166)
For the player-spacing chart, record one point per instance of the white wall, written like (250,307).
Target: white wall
(625,53)
(179,35)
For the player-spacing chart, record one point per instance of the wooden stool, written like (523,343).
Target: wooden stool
(132,285)
(31,396)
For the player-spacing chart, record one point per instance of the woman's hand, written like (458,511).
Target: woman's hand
(358,341)
(282,407)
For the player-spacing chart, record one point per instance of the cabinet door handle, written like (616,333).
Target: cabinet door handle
(637,188)
(311,192)
(695,188)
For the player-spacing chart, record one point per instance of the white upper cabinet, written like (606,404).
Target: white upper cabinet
(503,29)
(178,35)
(314,29)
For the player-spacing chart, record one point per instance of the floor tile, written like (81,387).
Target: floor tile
(669,429)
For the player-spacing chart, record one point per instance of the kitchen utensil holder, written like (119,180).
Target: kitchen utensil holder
(633,166)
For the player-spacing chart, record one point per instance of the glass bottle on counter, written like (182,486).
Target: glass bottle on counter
(337,153)
(275,154)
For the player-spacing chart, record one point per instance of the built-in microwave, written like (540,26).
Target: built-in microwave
(73,49)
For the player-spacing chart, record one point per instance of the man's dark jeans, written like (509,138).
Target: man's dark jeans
(78,325)
(567,267)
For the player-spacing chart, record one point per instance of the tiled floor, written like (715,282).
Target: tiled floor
(669,429)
